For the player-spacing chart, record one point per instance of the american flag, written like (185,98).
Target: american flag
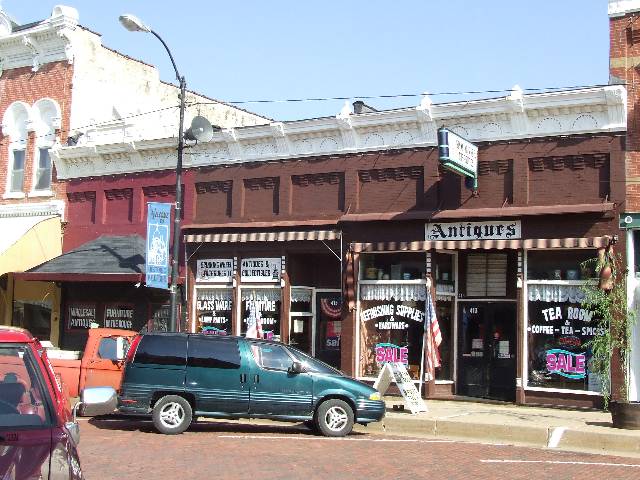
(434,337)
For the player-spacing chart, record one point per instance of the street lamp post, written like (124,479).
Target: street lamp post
(133,24)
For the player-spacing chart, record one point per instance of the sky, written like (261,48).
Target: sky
(244,50)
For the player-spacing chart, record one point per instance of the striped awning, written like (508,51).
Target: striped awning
(531,243)
(262,236)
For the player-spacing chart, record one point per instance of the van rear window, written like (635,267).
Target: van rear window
(162,350)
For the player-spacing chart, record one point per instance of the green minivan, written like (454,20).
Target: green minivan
(178,376)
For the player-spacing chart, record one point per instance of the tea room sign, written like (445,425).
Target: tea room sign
(495,230)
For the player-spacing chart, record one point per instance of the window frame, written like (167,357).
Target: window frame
(37,155)
(11,171)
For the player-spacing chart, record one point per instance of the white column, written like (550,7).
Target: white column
(633,299)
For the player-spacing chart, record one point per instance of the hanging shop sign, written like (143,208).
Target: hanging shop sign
(629,220)
(260,270)
(81,315)
(392,332)
(218,270)
(492,230)
(157,251)
(558,339)
(118,315)
(457,154)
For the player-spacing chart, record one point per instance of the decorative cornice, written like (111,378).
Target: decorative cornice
(517,116)
(619,8)
(45,42)
(40,209)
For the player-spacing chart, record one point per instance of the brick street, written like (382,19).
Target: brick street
(131,449)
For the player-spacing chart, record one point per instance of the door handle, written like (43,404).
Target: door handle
(243,378)
(256,378)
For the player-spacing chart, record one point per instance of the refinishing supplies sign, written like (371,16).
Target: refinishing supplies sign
(158,227)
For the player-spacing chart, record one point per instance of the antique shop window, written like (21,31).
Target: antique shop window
(558,327)
(301,324)
(260,313)
(213,311)
(445,282)
(392,311)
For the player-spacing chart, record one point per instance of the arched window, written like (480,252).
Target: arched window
(46,119)
(14,125)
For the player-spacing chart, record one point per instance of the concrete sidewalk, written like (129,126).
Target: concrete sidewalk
(575,430)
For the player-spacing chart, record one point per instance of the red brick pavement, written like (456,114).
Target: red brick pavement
(131,449)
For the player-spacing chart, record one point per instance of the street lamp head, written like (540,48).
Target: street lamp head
(133,23)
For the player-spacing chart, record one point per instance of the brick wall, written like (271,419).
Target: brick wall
(52,80)
(624,65)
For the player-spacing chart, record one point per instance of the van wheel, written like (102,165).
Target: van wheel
(172,415)
(334,418)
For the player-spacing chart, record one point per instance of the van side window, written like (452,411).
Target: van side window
(271,356)
(162,350)
(213,353)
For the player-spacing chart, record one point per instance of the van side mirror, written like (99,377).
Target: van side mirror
(121,348)
(297,367)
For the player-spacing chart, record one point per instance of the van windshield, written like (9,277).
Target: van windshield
(22,395)
(313,364)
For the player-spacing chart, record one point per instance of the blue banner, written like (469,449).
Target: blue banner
(157,254)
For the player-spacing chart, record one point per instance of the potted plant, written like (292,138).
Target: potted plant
(606,296)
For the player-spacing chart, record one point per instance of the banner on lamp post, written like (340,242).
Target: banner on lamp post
(157,251)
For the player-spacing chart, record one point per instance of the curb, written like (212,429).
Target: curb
(560,438)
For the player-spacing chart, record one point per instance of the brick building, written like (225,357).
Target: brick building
(331,232)
(50,75)
(624,22)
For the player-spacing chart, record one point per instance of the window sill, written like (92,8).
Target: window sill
(40,193)
(14,195)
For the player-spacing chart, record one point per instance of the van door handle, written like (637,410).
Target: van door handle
(256,378)
(243,378)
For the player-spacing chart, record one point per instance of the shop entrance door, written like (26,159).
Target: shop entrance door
(487,350)
(328,326)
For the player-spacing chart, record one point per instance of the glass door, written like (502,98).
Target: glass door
(328,326)
(301,321)
(487,350)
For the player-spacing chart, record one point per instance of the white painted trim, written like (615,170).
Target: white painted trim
(14,195)
(563,390)
(47,209)
(620,8)
(582,111)
(40,193)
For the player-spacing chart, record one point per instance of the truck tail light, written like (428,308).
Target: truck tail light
(133,347)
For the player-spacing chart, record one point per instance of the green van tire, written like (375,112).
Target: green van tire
(334,418)
(172,415)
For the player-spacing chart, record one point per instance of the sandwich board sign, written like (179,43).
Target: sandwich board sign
(458,154)
(397,372)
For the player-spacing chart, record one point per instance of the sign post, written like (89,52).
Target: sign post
(458,155)
(157,251)
(397,372)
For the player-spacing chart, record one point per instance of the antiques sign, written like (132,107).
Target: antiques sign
(81,315)
(214,270)
(260,270)
(497,230)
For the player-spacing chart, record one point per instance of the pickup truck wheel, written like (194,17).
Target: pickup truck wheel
(334,418)
(172,415)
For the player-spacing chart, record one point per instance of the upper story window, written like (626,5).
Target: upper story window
(16,182)
(31,130)
(43,170)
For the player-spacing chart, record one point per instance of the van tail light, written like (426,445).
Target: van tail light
(133,347)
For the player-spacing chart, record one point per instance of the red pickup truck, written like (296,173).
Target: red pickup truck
(101,363)
(38,432)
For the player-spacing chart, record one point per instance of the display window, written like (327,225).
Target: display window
(159,317)
(444,276)
(214,311)
(559,328)
(260,313)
